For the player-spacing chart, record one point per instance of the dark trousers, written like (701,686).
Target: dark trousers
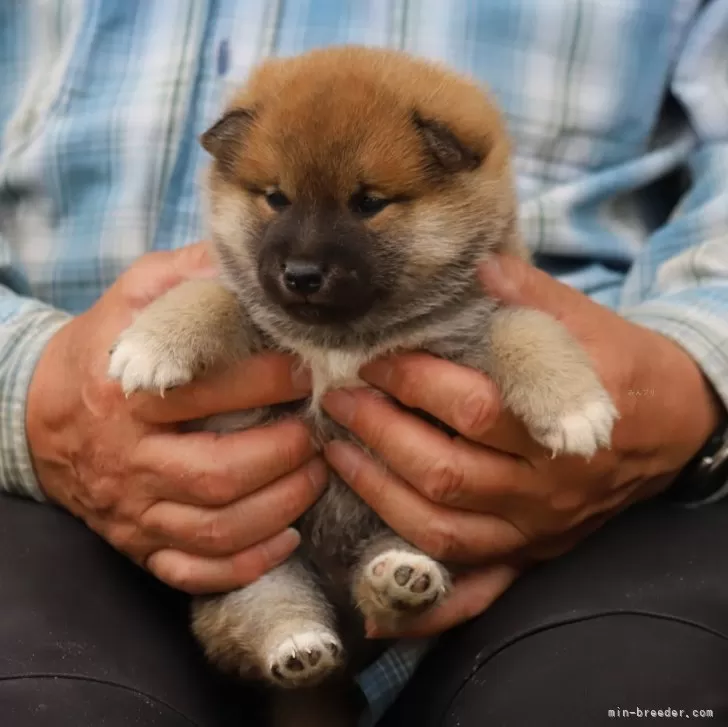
(633,620)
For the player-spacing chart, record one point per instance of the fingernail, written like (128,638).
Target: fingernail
(301,379)
(495,279)
(341,405)
(476,414)
(318,474)
(491,268)
(284,544)
(370,630)
(378,373)
(205,273)
(344,457)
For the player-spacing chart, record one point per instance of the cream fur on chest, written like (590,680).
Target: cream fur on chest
(332,369)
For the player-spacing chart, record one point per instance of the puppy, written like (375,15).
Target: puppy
(353,194)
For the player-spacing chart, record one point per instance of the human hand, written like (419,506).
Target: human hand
(493,498)
(203,512)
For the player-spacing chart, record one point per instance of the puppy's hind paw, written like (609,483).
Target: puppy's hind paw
(304,658)
(400,582)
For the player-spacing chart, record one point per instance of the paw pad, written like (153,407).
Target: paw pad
(404,581)
(304,658)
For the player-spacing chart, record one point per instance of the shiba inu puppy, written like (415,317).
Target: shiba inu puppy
(352,196)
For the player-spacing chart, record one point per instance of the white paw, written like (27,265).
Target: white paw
(401,581)
(581,432)
(305,658)
(140,360)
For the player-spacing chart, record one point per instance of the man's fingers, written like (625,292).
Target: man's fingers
(441,532)
(463,398)
(472,594)
(515,282)
(208,469)
(199,575)
(122,533)
(195,259)
(157,272)
(232,529)
(258,381)
(446,471)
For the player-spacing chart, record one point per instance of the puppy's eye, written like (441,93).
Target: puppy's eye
(365,205)
(277,200)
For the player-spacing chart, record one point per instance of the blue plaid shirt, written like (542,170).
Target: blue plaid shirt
(102,102)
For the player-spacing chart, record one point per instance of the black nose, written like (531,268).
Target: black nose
(303,276)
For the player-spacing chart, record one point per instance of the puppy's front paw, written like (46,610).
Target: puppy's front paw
(399,582)
(580,431)
(149,360)
(547,380)
(304,658)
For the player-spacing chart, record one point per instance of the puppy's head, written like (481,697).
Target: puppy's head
(354,191)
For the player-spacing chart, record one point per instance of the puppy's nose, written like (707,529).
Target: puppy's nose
(304,277)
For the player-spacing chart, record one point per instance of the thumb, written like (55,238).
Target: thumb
(472,594)
(514,281)
(196,260)
(157,272)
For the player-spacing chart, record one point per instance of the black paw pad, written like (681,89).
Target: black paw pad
(421,584)
(402,575)
(294,664)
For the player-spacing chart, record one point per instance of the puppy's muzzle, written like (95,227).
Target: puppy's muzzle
(318,289)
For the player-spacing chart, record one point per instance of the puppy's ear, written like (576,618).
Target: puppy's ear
(448,153)
(230,128)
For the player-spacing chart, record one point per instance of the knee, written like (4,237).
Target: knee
(67,701)
(583,672)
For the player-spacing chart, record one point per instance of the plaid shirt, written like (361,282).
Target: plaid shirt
(102,101)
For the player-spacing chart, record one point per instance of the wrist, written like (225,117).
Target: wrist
(703,477)
(691,322)
(31,335)
(679,410)
(701,405)
(47,410)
